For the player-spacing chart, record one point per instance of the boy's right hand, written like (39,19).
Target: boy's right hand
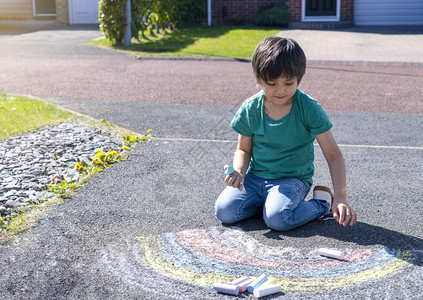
(235,180)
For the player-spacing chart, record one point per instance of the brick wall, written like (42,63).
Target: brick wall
(16,9)
(62,11)
(294,7)
(347,10)
(225,11)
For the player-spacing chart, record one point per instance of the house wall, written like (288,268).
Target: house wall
(347,10)
(62,11)
(294,7)
(224,11)
(16,9)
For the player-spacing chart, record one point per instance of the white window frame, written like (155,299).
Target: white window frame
(336,18)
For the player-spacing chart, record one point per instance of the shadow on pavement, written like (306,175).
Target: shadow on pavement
(361,234)
(411,29)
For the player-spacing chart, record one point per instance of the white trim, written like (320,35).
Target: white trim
(70,10)
(336,18)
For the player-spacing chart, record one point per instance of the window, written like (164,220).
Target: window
(320,10)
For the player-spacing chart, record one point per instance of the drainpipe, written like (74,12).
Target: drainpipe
(128,34)
(209,13)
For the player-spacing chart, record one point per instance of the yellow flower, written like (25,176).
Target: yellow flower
(125,148)
(112,153)
(99,153)
(132,138)
(97,161)
(149,130)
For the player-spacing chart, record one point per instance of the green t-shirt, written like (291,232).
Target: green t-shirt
(282,148)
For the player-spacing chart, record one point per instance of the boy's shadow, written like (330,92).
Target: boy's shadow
(359,234)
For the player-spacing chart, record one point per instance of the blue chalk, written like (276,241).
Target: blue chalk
(256,283)
(230,170)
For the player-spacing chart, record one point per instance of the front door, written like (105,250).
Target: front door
(315,8)
(45,7)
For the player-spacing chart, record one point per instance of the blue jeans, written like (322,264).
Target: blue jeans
(281,200)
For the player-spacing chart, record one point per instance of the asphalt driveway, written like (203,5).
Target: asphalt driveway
(145,228)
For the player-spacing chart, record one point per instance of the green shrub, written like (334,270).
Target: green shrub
(237,20)
(274,16)
(141,19)
(188,11)
(147,14)
(113,19)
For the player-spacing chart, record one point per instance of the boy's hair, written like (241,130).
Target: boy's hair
(276,57)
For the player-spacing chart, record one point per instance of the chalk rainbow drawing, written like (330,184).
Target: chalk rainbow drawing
(202,257)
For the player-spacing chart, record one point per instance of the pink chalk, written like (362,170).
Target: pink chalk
(242,283)
(239,280)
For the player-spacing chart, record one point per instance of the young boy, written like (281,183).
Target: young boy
(273,164)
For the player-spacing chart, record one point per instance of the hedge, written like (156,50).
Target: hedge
(147,14)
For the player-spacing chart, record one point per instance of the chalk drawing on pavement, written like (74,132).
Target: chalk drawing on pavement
(200,257)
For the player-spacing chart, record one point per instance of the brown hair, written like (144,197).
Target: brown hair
(276,57)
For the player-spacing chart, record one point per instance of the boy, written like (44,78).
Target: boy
(273,164)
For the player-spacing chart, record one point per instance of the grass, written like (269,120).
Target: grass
(214,41)
(20,114)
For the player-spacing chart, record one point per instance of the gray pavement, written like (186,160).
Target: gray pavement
(145,229)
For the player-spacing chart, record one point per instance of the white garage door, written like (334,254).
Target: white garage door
(83,11)
(388,12)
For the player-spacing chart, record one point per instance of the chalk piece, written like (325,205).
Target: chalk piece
(226,288)
(239,280)
(242,283)
(267,290)
(256,283)
(269,281)
(229,170)
(331,253)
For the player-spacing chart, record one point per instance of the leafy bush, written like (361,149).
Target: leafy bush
(141,16)
(113,19)
(274,16)
(147,14)
(188,11)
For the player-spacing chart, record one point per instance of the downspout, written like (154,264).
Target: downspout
(209,13)
(127,36)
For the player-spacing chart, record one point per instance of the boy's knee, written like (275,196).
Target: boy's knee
(224,214)
(278,222)
(279,226)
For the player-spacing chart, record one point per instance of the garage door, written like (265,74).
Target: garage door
(83,11)
(388,12)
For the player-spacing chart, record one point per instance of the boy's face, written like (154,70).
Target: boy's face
(281,90)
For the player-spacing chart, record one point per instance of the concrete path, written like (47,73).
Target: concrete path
(145,229)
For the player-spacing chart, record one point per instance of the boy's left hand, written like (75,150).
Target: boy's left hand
(344,214)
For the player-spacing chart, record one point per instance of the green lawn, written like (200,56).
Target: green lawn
(22,114)
(214,41)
